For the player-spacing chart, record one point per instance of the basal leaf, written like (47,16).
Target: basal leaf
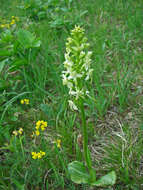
(106,180)
(78,172)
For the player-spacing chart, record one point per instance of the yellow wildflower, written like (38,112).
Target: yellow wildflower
(34,155)
(2,25)
(42,153)
(38,155)
(5,26)
(58,143)
(15,133)
(38,123)
(37,133)
(45,123)
(41,125)
(12,22)
(24,101)
(37,127)
(20,131)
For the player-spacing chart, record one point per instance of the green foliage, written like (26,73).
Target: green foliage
(27,39)
(31,61)
(15,48)
(35,9)
(108,179)
(78,172)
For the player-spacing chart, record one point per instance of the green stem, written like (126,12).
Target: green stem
(21,144)
(85,143)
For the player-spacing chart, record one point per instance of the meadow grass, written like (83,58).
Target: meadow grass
(113,113)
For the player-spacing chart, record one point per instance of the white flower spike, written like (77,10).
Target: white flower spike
(77,66)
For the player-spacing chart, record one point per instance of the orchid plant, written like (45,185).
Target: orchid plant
(76,77)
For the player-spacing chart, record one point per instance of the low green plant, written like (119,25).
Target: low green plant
(114,29)
(125,77)
(76,76)
(34,9)
(18,50)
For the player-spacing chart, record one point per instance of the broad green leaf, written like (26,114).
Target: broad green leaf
(106,180)
(78,172)
(27,39)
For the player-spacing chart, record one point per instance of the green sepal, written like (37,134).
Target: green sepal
(108,179)
(78,172)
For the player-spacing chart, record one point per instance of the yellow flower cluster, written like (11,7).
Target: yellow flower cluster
(40,125)
(12,22)
(16,18)
(37,155)
(5,26)
(58,143)
(19,132)
(24,101)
